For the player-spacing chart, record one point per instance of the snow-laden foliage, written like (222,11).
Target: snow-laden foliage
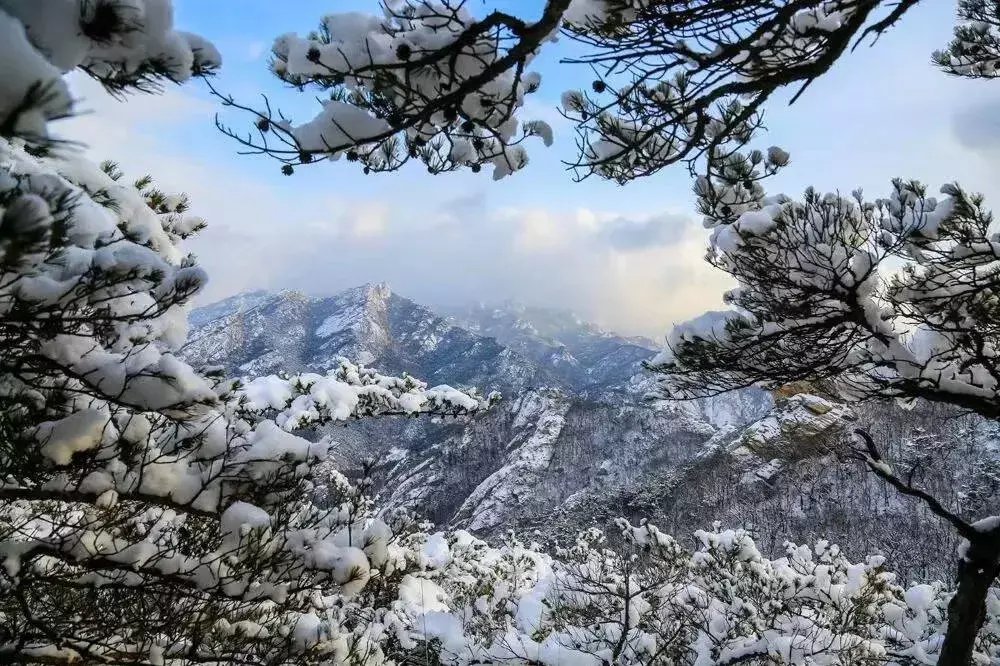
(428,80)
(639,597)
(887,298)
(127,45)
(130,477)
(351,391)
(423,80)
(975,51)
(892,297)
(151,512)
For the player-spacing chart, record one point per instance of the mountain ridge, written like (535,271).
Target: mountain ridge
(564,381)
(576,443)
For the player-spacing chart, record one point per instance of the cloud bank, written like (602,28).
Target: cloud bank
(634,275)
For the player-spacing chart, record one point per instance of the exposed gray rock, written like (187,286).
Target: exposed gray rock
(576,443)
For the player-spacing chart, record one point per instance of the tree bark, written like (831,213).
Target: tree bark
(967,609)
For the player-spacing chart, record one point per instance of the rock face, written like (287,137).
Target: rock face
(580,354)
(574,418)
(799,427)
(575,442)
(261,333)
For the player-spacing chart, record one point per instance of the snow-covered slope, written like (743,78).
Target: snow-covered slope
(260,333)
(575,442)
(583,355)
(574,419)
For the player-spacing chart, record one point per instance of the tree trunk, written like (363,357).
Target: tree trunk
(967,609)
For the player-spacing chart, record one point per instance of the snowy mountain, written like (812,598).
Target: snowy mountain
(260,333)
(581,354)
(575,442)
(574,418)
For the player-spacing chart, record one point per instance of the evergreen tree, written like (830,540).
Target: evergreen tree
(894,298)
(428,81)
(151,512)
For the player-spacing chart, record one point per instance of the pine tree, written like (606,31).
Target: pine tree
(151,512)
(428,81)
(893,298)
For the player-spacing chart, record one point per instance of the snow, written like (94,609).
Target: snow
(238,517)
(269,445)
(729,238)
(920,597)
(339,124)
(420,595)
(436,552)
(505,489)
(336,323)
(40,43)
(308,631)
(361,52)
(708,326)
(84,430)
(986,525)
(21,68)
(350,391)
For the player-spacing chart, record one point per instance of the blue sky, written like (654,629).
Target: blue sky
(628,257)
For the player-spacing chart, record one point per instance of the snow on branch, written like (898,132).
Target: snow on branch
(975,50)
(169,493)
(428,81)
(352,391)
(894,297)
(127,45)
(425,81)
(635,595)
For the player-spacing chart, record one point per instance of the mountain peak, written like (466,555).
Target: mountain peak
(377,290)
(361,310)
(288,295)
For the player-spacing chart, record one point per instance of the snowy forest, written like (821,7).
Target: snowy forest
(809,475)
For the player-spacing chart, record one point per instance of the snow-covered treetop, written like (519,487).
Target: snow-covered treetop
(352,391)
(894,297)
(427,80)
(635,595)
(975,50)
(127,45)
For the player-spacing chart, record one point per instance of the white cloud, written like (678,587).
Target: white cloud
(256,49)
(538,229)
(447,247)
(369,219)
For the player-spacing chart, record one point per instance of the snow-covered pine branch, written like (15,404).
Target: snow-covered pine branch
(637,596)
(127,45)
(126,474)
(149,513)
(146,513)
(351,391)
(975,50)
(427,80)
(893,298)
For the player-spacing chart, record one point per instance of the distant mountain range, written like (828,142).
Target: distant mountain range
(575,441)
(574,414)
